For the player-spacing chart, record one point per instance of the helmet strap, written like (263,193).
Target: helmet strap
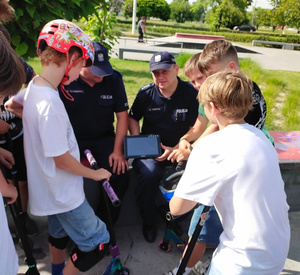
(66,93)
(66,78)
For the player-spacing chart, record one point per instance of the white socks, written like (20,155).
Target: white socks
(186,271)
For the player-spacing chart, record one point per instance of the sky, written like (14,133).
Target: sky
(259,3)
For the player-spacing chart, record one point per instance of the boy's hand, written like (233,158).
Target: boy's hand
(6,158)
(183,144)
(179,155)
(101,174)
(167,151)
(4,127)
(10,193)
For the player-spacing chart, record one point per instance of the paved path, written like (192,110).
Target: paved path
(268,58)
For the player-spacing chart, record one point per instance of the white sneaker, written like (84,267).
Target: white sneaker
(201,268)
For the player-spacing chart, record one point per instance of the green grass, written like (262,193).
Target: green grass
(281,89)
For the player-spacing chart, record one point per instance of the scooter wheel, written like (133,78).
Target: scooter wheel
(164,246)
(123,271)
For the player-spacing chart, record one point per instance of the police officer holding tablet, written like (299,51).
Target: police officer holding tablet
(168,108)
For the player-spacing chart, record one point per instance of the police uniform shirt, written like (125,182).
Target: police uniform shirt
(170,118)
(92,111)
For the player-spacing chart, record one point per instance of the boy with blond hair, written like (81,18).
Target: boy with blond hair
(249,198)
(217,56)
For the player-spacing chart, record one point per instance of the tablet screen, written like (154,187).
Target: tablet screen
(142,146)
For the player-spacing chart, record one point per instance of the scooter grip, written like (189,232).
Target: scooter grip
(106,185)
(111,194)
(91,159)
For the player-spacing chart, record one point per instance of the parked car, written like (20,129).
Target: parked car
(248,28)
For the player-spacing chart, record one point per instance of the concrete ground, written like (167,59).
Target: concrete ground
(135,253)
(144,258)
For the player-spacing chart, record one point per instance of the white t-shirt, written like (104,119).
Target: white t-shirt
(9,262)
(237,170)
(48,133)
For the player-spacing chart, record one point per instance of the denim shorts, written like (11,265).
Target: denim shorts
(211,229)
(81,225)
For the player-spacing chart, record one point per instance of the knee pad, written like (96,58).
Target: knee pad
(86,260)
(59,243)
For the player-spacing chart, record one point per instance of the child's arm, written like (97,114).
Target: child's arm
(69,164)
(179,206)
(12,106)
(8,190)
(195,133)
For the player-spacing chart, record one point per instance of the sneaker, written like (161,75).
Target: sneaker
(201,268)
(168,273)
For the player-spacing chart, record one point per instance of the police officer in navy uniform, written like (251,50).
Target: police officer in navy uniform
(91,101)
(169,108)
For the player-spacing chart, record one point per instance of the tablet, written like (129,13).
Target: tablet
(142,146)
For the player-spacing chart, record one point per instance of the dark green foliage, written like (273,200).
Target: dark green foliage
(181,11)
(32,15)
(149,8)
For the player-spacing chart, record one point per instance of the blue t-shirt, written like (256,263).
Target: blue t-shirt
(170,118)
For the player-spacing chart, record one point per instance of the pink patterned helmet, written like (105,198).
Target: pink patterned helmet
(61,35)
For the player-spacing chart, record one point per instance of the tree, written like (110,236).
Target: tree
(288,13)
(181,11)
(149,8)
(116,6)
(233,16)
(99,25)
(198,9)
(219,14)
(32,15)
(127,8)
(262,17)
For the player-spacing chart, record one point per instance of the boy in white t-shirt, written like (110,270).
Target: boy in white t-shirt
(12,76)
(55,174)
(241,177)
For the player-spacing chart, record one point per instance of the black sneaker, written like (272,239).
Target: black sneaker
(149,232)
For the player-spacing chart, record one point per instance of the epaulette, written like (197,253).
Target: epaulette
(146,87)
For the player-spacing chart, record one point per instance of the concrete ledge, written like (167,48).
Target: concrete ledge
(287,145)
(146,51)
(285,46)
(199,36)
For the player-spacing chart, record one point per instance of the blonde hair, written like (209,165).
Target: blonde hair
(218,51)
(191,64)
(230,92)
